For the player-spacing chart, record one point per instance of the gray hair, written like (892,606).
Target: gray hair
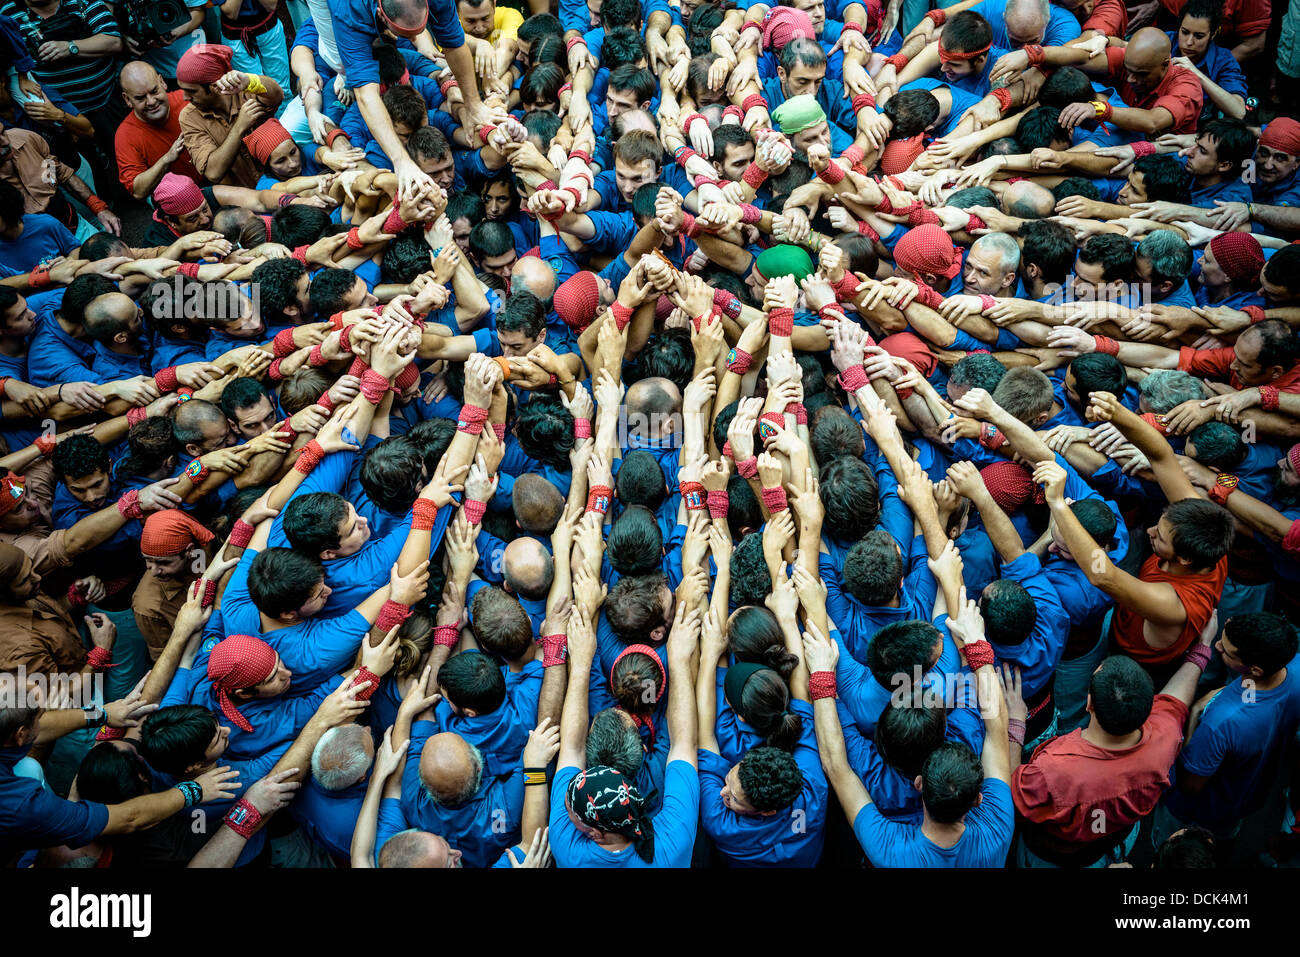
(471,786)
(342,756)
(1166,389)
(1008,250)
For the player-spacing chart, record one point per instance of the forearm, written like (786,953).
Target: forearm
(999,527)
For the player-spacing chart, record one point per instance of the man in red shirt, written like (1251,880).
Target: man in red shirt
(148,143)
(1159,613)
(1161,96)
(1082,794)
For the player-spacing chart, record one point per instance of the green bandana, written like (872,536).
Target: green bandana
(798,113)
(784,260)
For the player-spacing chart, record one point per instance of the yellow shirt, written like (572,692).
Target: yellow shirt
(506,24)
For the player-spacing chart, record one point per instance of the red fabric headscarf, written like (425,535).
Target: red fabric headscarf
(169,532)
(1011,485)
(204,63)
(240,661)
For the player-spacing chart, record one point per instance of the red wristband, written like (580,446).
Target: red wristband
(718,502)
(373,386)
(753,100)
(1256,314)
(354,238)
(1142,148)
(780,323)
(774,500)
(165,379)
(1106,345)
(1269,398)
(241,533)
(446,635)
(46,443)
(754,176)
(243,818)
(471,419)
(978,654)
(693,496)
(423,514)
(748,468)
(821,684)
(364,674)
(598,499)
(129,505)
(392,614)
(474,510)
(283,345)
(622,315)
(582,428)
(739,361)
(309,456)
(99,658)
(555,650)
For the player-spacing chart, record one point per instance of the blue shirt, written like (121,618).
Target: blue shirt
(501,734)
(1062,27)
(32,815)
(674,825)
(961,102)
(355,31)
(43,237)
(482,827)
(1041,650)
(985,842)
(1239,745)
(329,817)
(792,837)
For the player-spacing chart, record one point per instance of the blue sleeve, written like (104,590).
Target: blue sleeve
(307,36)
(491,560)
(354,34)
(44,819)
(614,231)
(391,822)
(574,15)
(444,24)
(1062,27)
(238,612)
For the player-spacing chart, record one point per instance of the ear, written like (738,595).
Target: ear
(329,555)
(469,712)
(780,73)
(916,782)
(658,634)
(122,338)
(192,450)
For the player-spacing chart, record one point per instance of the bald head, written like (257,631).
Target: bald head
(405,17)
(529,568)
(1026,200)
(1026,21)
(144,92)
(535,275)
(416,848)
(109,316)
(652,405)
(450,769)
(1146,58)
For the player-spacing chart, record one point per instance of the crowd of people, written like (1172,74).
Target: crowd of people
(778,436)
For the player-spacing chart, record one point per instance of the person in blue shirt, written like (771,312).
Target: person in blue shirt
(358,23)
(1017,23)
(969,819)
(487,712)
(803,71)
(32,816)
(27,241)
(1235,751)
(1216,161)
(1194,46)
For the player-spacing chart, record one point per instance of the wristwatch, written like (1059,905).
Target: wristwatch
(72,48)
(1223,486)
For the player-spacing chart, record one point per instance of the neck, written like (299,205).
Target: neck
(11,346)
(273,624)
(125,348)
(13,232)
(77,332)
(1093,734)
(1211,179)
(1271,681)
(945,835)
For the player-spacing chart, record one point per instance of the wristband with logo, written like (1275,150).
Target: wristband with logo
(1102,109)
(598,498)
(555,650)
(471,419)
(1223,486)
(739,361)
(39,277)
(243,818)
(110,734)
(197,472)
(1035,53)
(1269,398)
(726,303)
(693,496)
(990,436)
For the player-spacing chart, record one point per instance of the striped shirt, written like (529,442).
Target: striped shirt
(88,82)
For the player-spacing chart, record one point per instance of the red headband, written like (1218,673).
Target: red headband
(393,26)
(945,55)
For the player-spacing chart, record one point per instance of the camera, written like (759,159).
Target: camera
(149,22)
